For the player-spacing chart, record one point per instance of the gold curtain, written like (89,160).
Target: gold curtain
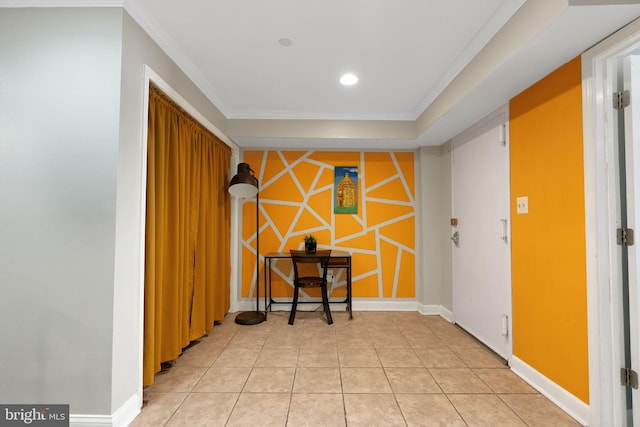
(187,261)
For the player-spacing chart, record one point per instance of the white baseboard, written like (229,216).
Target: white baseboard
(561,397)
(122,417)
(76,420)
(128,411)
(431,310)
(360,304)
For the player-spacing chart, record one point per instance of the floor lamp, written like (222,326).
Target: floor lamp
(245,184)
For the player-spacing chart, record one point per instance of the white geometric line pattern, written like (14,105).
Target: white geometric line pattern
(295,193)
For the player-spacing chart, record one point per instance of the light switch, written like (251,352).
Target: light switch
(522,205)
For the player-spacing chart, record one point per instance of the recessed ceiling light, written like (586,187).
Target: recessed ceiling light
(286,42)
(349,79)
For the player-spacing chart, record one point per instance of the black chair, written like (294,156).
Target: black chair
(310,271)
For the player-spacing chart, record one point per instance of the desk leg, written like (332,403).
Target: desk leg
(267,284)
(349,297)
(266,305)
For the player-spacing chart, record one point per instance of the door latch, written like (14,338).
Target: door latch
(456,238)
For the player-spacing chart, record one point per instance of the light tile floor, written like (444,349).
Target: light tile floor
(379,369)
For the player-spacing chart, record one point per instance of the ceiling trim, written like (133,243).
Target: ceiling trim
(502,16)
(523,26)
(328,129)
(155,31)
(448,107)
(61,3)
(528,21)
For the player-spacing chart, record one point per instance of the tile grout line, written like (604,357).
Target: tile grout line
(386,336)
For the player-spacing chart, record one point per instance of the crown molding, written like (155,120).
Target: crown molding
(167,44)
(149,25)
(61,3)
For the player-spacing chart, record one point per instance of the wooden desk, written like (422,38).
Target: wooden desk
(339,259)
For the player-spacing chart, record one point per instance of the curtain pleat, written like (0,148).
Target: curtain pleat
(187,261)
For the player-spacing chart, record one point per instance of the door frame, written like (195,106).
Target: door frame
(602,213)
(631,73)
(150,76)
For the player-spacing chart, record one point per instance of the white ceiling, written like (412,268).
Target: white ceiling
(428,69)
(402,52)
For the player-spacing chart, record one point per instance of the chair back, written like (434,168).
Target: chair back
(320,258)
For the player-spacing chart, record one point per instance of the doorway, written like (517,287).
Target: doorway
(480,233)
(151,76)
(612,191)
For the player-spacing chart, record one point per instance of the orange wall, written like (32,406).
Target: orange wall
(296,198)
(548,245)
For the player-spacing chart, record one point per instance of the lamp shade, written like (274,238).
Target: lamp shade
(244,183)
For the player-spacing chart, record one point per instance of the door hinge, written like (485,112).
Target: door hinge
(625,236)
(621,99)
(628,378)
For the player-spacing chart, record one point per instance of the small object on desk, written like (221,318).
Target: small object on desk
(310,244)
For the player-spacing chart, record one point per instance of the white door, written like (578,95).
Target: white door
(481,256)
(631,73)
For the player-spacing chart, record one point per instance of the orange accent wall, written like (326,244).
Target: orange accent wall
(548,243)
(296,198)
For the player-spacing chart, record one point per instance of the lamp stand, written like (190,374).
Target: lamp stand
(255,317)
(250,318)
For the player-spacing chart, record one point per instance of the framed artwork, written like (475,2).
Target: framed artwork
(345,190)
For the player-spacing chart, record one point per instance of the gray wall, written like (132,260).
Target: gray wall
(72,195)
(446,292)
(59,113)
(138,50)
(435,209)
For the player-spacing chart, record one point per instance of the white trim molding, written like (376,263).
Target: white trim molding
(561,397)
(150,76)
(123,416)
(436,310)
(61,3)
(360,304)
(78,420)
(603,265)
